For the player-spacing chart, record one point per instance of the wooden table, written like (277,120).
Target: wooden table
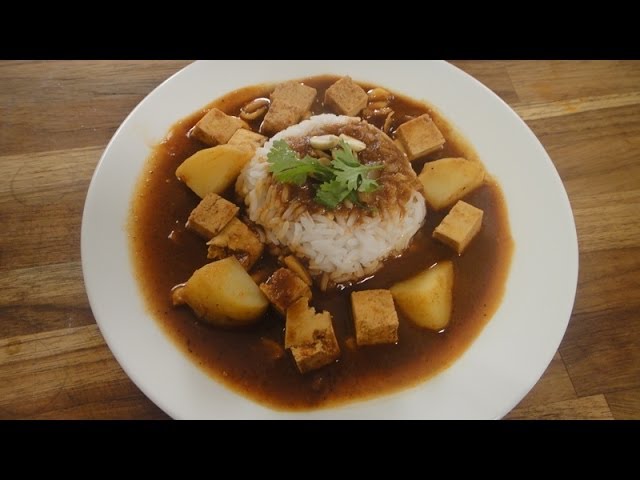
(57,117)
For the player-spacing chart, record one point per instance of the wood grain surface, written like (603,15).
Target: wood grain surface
(57,117)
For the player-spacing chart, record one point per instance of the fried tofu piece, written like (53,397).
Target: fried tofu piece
(216,127)
(419,137)
(289,102)
(398,144)
(283,288)
(460,226)
(239,240)
(346,97)
(310,336)
(246,139)
(375,317)
(211,215)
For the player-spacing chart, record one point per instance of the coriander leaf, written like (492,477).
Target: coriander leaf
(350,171)
(334,183)
(346,174)
(344,154)
(368,185)
(288,168)
(353,198)
(320,172)
(355,176)
(281,157)
(331,194)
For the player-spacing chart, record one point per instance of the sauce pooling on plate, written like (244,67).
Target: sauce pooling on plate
(251,360)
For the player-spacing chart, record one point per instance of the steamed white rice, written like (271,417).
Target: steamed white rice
(346,245)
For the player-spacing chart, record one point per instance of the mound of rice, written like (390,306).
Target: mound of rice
(346,244)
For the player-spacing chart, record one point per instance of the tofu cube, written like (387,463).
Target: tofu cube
(283,288)
(239,240)
(419,137)
(289,102)
(345,97)
(211,215)
(375,317)
(246,139)
(216,127)
(310,337)
(400,146)
(458,228)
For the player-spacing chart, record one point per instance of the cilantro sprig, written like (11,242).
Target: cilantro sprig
(335,183)
(288,168)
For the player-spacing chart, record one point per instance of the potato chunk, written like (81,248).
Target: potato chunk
(222,293)
(447,180)
(213,169)
(427,297)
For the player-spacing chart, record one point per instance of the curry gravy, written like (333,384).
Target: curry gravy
(165,254)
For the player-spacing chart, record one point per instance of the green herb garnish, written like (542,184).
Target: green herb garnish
(334,183)
(288,168)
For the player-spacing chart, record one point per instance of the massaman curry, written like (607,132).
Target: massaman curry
(319,241)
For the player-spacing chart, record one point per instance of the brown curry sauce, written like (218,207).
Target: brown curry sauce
(165,254)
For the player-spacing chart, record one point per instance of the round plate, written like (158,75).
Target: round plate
(487,381)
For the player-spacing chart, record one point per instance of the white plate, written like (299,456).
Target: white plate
(487,381)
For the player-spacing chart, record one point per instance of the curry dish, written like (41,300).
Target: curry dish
(363,234)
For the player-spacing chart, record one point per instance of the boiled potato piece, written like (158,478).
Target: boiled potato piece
(213,169)
(426,298)
(223,294)
(447,180)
